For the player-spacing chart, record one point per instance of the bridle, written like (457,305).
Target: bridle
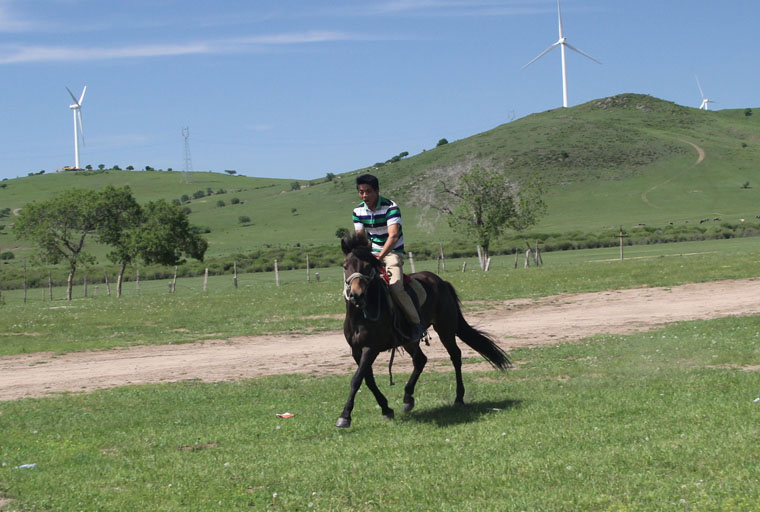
(358,275)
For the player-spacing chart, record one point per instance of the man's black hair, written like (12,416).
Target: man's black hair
(368,179)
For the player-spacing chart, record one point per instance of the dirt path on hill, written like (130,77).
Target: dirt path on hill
(700,157)
(514,323)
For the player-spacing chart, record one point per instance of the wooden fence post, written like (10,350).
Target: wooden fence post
(24,280)
(308,275)
(411,261)
(85,286)
(174,280)
(480,258)
(108,286)
(137,282)
(50,284)
(316,274)
(234,270)
(205,279)
(464,266)
(516,253)
(443,260)
(276,274)
(488,264)
(621,235)
(527,259)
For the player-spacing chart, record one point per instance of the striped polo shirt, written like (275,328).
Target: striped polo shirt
(375,223)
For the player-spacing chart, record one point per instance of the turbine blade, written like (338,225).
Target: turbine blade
(700,88)
(582,53)
(541,55)
(82,96)
(81,127)
(72,95)
(559,16)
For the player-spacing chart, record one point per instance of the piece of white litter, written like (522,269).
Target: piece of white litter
(756,399)
(26,466)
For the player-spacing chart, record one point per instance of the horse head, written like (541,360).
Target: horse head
(360,268)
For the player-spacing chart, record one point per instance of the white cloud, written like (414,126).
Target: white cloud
(14,54)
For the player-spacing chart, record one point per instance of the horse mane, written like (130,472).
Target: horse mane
(359,245)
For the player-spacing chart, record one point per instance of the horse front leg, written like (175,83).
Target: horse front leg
(364,359)
(369,379)
(419,360)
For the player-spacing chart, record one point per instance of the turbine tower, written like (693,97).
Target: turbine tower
(188,160)
(76,108)
(562,43)
(705,101)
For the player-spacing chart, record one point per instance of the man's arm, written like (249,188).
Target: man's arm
(390,243)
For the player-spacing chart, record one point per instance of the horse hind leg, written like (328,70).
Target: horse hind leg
(450,343)
(419,360)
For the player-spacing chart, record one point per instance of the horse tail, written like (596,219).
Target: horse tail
(478,340)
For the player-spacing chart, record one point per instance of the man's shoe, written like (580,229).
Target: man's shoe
(417,331)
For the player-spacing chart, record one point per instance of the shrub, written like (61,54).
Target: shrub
(244,219)
(7,255)
(235,200)
(220,204)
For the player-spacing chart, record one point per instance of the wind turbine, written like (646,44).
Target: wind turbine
(705,101)
(562,43)
(76,108)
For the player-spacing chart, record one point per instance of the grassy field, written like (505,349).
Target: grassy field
(665,420)
(605,164)
(258,306)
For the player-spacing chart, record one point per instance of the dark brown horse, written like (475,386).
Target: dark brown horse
(370,326)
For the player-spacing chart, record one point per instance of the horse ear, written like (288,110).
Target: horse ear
(344,246)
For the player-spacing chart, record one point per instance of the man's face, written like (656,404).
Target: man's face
(368,195)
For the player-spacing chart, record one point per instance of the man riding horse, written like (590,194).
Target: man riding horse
(379,218)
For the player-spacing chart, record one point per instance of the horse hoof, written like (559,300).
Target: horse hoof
(388,415)
(408,406)
(343,422)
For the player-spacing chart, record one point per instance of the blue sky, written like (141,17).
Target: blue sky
(297,89)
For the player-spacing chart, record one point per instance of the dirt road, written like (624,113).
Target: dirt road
(515,323)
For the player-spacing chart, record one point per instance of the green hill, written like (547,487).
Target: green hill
(624,161)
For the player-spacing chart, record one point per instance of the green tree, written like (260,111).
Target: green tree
(121,219)
(485,203)
(230,171)
(441,142)
(165,236)
(294,185)
(59,227)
